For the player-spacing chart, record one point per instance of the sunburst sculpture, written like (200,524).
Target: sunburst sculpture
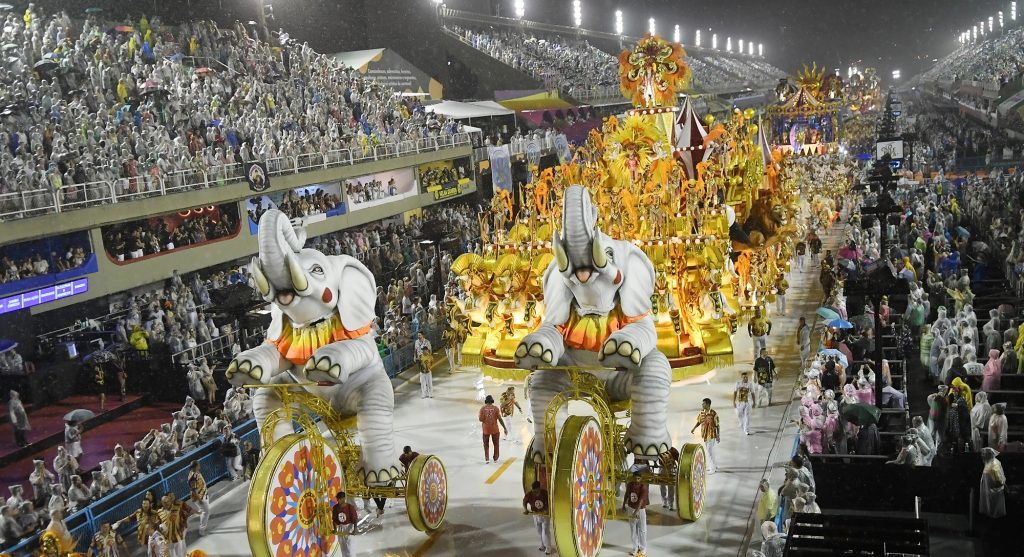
(653,72)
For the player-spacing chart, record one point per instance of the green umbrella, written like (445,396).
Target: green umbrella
(862,414)
(827,314)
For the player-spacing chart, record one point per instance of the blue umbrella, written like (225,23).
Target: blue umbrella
(827,313)
(840,324)
(834,352)
(963,232)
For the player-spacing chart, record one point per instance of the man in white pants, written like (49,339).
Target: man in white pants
(345,519)
(425,358)
(803,333)
(635,503)
(536,504)
(710,432)
(198,499)
(742,400)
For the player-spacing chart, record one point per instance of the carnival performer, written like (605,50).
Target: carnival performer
(145,517)
(156,543)
(535,502)
(19,418)
(425,359)
(508,405)
(635,503)
(668,463)
(345,518)
(490,419)
(759,327)
(408,455)
(781,286)
(73,439)
(174,523)
(803,335)
(107,543)
(198,498)
(707,421)
(743,399)
(765,373)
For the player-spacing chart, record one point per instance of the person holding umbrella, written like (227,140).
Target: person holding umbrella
(73,438)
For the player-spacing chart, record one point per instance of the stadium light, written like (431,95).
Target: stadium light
(577,12)
(989,24)
(520,8)
(760,49)
(676,35)
(714,41)
(750,48)
(741,46)
(981,24)
(975,32)
(895,74)
(1013,11)
(696,40)
(618,22)
(650,26)
(1000,20)
(728,44)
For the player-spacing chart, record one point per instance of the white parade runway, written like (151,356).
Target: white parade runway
(484,510)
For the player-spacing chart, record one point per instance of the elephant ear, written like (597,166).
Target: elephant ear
(638,283)
(357,293)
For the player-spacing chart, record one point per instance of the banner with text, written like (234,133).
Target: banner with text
(501,168)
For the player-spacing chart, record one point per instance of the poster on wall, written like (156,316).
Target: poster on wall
(389,69)
(257,176)
(501,168)
(380,188)
(562,148)
(312,203)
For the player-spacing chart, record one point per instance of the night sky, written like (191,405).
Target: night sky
(886,34)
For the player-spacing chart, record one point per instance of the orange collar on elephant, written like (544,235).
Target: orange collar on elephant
(589,332)
(297,344)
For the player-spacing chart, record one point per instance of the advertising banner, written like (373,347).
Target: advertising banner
(257,176)
(501,168)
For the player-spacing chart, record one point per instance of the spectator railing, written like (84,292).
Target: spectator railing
(125,500)
(39,201)
(217,346)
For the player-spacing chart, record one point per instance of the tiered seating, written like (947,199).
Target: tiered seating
(121,112)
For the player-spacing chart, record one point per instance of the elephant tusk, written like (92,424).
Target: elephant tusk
(560,256)
(262,284)
(598,254)
(299,280)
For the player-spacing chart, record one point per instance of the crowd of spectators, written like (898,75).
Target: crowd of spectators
(580,69)
(89,103)
(437,177)
(64,488)
(40,264)
(296,205)
(995,60)
(136,239)
(363,190)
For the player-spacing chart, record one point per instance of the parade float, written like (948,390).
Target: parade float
(319,386)
(806,120)
(701,199)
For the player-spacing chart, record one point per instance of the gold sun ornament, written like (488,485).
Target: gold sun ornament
(632,149)
(653,72)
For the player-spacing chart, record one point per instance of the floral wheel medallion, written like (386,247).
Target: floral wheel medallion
(587,494)
(290,500)
(691,482)
(427,493)
(577,504)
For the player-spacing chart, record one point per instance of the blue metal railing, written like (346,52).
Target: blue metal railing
(125,500)
(779,512)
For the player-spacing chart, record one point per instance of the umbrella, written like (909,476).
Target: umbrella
(45,66)
(10,46)
(93,10)
(838,355)
(7,345)
(79,415)
(826,313)
(100,357)
(124,29)
(862,321)
(861,414)
(961,231)
(840,324)
(204,70)
(6,7)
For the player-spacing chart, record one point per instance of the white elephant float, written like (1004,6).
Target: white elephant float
(597,295)
(322,312)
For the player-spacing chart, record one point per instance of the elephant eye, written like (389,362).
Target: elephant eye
(317,269)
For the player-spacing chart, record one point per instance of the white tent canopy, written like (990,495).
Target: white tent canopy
(458,110)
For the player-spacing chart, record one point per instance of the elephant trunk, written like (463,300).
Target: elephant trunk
(579,218)
(278,245)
